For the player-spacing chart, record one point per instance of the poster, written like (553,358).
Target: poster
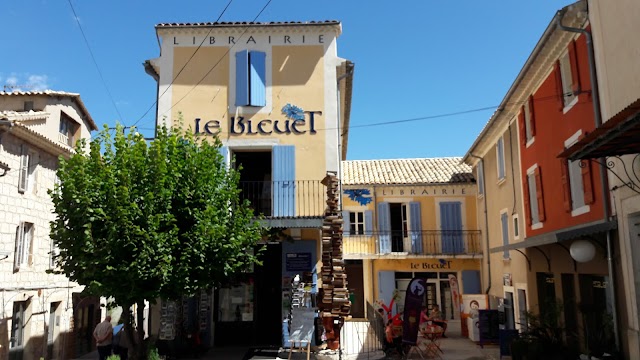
(471,304)
(455,292)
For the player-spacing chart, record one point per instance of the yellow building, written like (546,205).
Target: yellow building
(407,218)
(278,96)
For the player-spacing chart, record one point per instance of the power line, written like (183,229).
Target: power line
(183,67)
(219,60)
(94,60)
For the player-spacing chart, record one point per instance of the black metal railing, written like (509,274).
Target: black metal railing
(285,199)
(426,242)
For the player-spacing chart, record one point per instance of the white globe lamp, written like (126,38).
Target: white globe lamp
(582,251)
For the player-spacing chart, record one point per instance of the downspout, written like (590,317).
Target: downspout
(595,95)
(348,72)
(486,224)
(5,126)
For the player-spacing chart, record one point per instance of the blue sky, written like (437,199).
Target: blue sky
(413,58)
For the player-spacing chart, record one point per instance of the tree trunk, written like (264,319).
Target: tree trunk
(142,348)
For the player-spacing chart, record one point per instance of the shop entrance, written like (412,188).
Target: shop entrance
(248,307)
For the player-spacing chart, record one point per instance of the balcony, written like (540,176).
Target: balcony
(415,244)
(294,203)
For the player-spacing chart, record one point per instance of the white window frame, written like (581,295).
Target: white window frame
(501,160)
(515,221)
(354,223)
(574,177)
(533,198)
(24,244)
(28,170)
(568,97)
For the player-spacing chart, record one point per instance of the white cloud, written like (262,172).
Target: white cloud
(25,82)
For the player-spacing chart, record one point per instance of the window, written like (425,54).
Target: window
(480,179)
(533,196)
(24,244)
(17,325)
(54,321)
(504,223)
(500,158)
(28,168)
(567,79)
(516,228)
(251,78)
(529,123)
(67,130)
(28,106)
(357,223)
(575,183)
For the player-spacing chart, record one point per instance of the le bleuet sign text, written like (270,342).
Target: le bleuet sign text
(239,125)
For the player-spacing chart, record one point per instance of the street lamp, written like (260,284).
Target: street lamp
(582,251)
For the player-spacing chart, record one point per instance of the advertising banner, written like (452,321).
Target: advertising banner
(412,307)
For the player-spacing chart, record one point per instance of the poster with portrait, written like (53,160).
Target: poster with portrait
(455,292)
(471,303)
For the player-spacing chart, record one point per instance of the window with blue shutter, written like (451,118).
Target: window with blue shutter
(251,78)
(384,228)
(284,175)
(471,282)
(451,227)
(416,227)
(386,286)
(368,222)
(346,223)
(224,151)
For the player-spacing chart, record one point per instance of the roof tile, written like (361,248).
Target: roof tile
(406,171)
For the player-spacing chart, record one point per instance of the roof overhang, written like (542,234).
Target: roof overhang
(23,132)
(620,135)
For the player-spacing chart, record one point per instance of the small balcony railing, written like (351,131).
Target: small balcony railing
(285,199)
(426,242)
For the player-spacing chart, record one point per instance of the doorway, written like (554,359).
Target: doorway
(268,301)
(400,241)
(255,179)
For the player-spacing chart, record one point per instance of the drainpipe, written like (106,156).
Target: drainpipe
(5,126)
(486,224)
(603,178)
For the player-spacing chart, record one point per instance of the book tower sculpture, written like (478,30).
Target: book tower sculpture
(334,305)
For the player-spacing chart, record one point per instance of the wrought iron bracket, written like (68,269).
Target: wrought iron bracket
(546,258)
(575,263)
(633,177)
(526,257)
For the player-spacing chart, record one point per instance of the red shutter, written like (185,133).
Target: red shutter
(522,128)
(559,90)
(575,73)
(539,195)
(527,206)
(587,183)
(566,187)
(532,117)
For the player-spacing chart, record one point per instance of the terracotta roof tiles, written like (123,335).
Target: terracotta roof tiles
(406,171)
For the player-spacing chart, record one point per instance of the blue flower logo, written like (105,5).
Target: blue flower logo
(293,112)
(361,196)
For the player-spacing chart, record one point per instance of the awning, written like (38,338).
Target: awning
(618,136)
(576,232)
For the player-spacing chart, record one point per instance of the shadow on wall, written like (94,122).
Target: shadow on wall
(36,347)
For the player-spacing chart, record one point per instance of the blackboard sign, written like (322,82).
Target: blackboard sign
(488,324)
(302,325)
(298,262)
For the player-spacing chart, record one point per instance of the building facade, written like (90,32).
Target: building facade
(614,146)
(41,313)
(278,97)
(407,218)
(556,204)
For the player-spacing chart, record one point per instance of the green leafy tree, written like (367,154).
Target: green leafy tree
(138,220)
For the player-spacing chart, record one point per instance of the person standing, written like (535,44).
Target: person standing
(103,334)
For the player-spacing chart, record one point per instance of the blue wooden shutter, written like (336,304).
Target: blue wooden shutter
(471,282)
(242,78)
(224,151)
(346,225)
(257,79)
(386,286)
(416,227)
(284,175)
(368,222)
(451,226)
(384,228)
(504,220)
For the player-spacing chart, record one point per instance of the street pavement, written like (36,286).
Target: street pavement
(453,348)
